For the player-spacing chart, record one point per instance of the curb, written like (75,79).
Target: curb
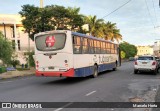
(10,75)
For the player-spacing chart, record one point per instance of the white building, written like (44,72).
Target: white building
(11,26)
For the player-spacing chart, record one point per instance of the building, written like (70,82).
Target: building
(156,48)
(12,28)
(144,50)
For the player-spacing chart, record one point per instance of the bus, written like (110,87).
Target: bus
(65,53)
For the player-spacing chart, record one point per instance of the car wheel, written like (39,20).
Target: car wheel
(155,72)
(158,70)
(135,71)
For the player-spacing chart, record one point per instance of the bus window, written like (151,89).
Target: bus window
(116,48)
(95,46)
(103,47)
(77,45)
(91,47)
(98,47)
(50,42)
(108,48)
(112,48)
(85,46)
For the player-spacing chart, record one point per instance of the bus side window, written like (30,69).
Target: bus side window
(108,48)
(95,46)
(91,47)
(77,45)
(85,46)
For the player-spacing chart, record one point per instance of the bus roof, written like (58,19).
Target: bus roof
(74,33)
(91,37)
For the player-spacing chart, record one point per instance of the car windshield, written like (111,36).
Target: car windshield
(145,58)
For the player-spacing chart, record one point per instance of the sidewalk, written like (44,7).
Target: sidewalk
(13,74)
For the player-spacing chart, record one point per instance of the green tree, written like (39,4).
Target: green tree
(51,17)
(31,19)
(95,25)
(5,49)
(111,32)
(129,49)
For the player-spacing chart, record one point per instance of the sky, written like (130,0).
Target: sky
(138,20)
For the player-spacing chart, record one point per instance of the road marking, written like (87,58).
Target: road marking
(90,93)
(58,109)
(5,82)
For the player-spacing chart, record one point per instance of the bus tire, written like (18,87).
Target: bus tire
(115,68)
(95,74)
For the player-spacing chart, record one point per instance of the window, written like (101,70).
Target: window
(19,48)
(13,44)
(145,58)
(103,47)
(98,47)
(116,48)
(108,48)
(50,42)
(85,46)
(91,46)
(112,49)
(12,32)
(95,46)
(77,45)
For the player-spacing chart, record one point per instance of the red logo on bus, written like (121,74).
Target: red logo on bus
(50,40)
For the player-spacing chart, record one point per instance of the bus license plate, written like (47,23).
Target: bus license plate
(51,67)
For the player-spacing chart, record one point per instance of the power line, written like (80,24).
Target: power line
(149,13)
(117,9)
(155,11)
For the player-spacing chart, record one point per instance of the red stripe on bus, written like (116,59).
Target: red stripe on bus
(69,73)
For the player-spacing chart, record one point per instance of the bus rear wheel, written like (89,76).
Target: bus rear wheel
(95,74)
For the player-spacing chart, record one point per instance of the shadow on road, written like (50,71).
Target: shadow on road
(70,80)
(67,81)
(146,73)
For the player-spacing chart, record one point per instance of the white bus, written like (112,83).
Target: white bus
(70,54)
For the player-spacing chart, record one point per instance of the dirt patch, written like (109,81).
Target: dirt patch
(136,99)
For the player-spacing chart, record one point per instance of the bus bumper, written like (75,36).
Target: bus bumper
(69,73)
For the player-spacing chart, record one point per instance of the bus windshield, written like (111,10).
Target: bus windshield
(50,42)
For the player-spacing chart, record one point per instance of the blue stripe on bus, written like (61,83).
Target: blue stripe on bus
(86,71)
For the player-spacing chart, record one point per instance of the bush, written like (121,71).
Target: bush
(31,60)
(22,69)
(2,69)
(15,62)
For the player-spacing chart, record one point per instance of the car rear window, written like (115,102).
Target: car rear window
(145,58)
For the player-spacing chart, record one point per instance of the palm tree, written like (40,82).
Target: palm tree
(94,24)
(111,32)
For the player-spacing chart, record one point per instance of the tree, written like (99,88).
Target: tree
(5,49)
(129,49)
(111,32)
(76,20)
(95,25)
(51,17)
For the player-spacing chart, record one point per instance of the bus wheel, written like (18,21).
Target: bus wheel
(95,74)
(115,68)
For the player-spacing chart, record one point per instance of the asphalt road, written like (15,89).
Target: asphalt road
(111,86)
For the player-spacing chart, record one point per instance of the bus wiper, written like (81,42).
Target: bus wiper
(48,54)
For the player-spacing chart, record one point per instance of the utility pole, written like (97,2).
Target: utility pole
(41,3)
